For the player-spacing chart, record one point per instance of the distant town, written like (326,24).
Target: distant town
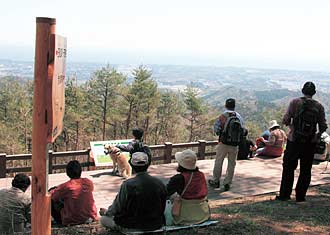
(177,77)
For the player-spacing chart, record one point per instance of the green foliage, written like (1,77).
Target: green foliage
(108,107)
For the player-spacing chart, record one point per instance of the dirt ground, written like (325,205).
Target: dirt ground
(253,215)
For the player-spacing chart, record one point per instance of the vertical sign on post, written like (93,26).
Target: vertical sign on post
(48,112)
(56,76)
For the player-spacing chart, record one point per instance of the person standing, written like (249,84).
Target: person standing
(229,127)
(303,116)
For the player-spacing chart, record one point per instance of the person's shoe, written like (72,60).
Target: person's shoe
(214,184)
(227,187)
(283,199)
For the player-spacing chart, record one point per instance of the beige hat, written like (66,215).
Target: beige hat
(272,124)
(186,159)
(139,159)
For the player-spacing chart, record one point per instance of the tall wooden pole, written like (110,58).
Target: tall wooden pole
(41,216)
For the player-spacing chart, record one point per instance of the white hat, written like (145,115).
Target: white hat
(139,159)
(272,124)
(186,159)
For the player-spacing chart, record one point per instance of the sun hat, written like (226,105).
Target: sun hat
(186,159)
(139,159)
(272,124)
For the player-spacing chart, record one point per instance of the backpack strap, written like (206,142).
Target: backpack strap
(185,188)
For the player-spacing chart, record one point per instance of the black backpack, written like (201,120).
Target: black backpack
(305,120)
(232,133)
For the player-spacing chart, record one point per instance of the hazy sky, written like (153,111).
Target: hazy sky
(278,33)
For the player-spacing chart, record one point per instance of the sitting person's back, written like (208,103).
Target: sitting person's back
(73,201)
(140,203)
(274,146)
(15,206)
(191,185)
(245,147)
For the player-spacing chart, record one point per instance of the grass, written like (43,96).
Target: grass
(254,215)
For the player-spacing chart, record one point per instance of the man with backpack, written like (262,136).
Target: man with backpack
(229,128)
(303,116)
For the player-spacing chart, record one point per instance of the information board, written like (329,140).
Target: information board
(97,150)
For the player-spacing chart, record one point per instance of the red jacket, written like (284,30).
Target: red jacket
(78,200)
(197,189)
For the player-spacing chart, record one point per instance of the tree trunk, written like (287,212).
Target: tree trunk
(105,112)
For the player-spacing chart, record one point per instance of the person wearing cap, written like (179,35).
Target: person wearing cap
(225,150)
(299,148)
(191,185)
(140,202)
(15,206)
(275,144)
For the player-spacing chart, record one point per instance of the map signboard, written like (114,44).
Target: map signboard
(97,151)
(56,84)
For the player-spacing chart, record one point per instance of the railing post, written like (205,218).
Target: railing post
(88,157)
(201,149)
(168,152)
(3,165)
(50,162)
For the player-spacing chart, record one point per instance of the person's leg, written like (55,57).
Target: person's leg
(306,162)
(232,154)
(56,208)
(217,169)
(260,151)
(290,163)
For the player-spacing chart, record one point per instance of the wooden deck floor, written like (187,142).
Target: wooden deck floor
(252,177)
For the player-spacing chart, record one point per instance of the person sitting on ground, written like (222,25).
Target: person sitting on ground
(15,206)
(73,202)
(246,147)
(140,203)
(264,136)
(325,138)
(274,146)
(191,185)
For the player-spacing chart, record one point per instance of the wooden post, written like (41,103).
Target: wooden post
(88,158)
(41,219)
(3,165)
(168,152)
(50,161)
(201,149)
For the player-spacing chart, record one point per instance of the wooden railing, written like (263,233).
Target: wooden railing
(163,153)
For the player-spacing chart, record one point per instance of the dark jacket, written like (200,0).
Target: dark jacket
(292,110)
(244,149)
(140,203)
